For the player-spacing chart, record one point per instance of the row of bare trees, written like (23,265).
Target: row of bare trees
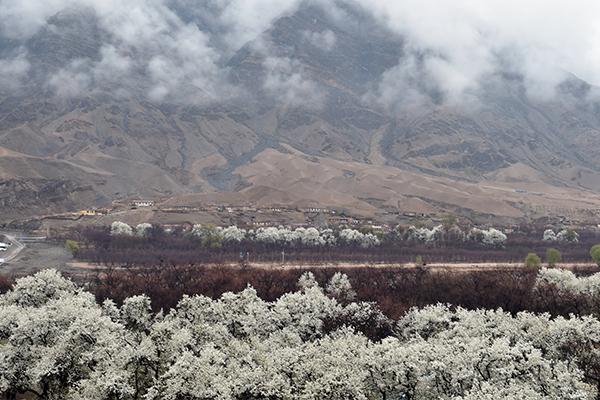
(395,290)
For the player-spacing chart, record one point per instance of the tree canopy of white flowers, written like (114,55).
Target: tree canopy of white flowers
(143,229)
(565,235)
(340,288)
(56,342)
(354,237)
(425,235)
(549,235)
(282,236)
(232,234)
(308,237)
(119,228)
(209,235)
(489,237)
(566,281)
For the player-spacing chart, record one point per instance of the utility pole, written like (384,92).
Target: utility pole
(283,256)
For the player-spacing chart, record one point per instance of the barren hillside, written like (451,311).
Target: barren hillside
(297,122)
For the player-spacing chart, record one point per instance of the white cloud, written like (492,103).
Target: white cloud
(324,40)
(288,83)
(246,19)
(463,42)
(451,47)
(72,81)
(22,19)
(13,71)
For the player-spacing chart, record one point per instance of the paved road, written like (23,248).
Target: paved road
(13,250)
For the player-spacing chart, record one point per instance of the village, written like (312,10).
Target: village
(181,216)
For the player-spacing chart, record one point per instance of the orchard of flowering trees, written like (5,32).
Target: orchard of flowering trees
(148,245)
(216,236)
(57,342)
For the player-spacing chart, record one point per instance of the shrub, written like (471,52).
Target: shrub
(595,253)
(72,246)
(553,257)
(532,260)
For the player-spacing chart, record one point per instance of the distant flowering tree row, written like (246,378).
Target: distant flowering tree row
(121,228)
(284,236)
(488,237)
(215,236)
(565,235)
(212,236)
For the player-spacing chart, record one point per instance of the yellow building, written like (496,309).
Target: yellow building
(88,213)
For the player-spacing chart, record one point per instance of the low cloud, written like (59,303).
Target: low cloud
(324,40)
(288,83)
(13,71)
(462,44)
(177,50)
(72,81)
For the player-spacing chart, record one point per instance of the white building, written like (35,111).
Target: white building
(142,203)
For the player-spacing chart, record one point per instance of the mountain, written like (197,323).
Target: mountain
(303,127)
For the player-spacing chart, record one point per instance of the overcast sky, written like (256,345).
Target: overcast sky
(181,44)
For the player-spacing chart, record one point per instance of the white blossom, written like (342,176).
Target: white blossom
(339,288)
(566,281)
(55,340)
(549,236)
(493,237)
(329,237)
(307,281)
(197,230)
(490,237)
(143,229)
(310,237)
(119,228)
(354,237)
(233,234)
(567,235)
(424,234)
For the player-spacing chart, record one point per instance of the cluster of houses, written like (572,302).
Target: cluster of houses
(256,216)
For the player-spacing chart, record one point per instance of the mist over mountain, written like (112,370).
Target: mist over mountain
(342,103)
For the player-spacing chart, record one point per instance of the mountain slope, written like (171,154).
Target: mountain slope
(304,91)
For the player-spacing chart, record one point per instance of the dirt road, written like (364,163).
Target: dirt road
(440,267)
(31,257)
(13,251)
